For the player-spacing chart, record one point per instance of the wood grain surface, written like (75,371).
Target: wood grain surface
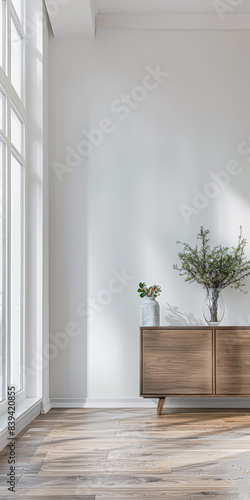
(233,362)
(132,454)
(177,362)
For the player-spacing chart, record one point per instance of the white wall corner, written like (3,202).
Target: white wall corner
(93,13)
(45,380)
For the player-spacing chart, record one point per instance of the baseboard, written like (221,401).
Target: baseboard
(184,402)
(45,406)
(67,403)
(102,403)
(120,403)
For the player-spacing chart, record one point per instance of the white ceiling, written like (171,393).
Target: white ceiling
(80,18)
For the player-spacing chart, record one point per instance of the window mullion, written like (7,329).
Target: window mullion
(3,137)
(17,155)
(8,243)
(17,22)
(10,91)
(3,273)
(23,283)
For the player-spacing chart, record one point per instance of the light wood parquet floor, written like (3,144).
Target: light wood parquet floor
(95,454)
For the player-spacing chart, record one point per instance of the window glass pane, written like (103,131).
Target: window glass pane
(16,59)
(16,272)
(18,5)
(2,272)
(2,111)
(16,131)
(2,33)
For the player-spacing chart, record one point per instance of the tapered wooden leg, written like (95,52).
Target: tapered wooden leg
(160,405)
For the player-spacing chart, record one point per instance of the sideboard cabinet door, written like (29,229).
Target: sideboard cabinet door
(176,362)
(233,362)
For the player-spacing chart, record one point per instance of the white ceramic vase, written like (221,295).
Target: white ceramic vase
(150,312)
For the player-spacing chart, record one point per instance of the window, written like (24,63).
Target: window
(16,131)
(18,6)
(16,55)
(2,248)
(2,112)
(16,269)
(2,33)
(12,198)
(2,273)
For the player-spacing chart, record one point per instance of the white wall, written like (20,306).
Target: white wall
(119,207)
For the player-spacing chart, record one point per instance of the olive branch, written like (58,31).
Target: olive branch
(218,267)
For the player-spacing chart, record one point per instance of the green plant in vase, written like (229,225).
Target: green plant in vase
(151,291)
(214,268)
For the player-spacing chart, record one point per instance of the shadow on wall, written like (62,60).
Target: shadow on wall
(175,317)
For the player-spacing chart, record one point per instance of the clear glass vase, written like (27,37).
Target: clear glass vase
(213,307)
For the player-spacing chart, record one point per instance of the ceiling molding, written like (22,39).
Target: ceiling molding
(175,22)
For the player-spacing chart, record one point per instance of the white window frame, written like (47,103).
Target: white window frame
(13,101)
(4,270)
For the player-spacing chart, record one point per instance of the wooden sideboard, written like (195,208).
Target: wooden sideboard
(194,362)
